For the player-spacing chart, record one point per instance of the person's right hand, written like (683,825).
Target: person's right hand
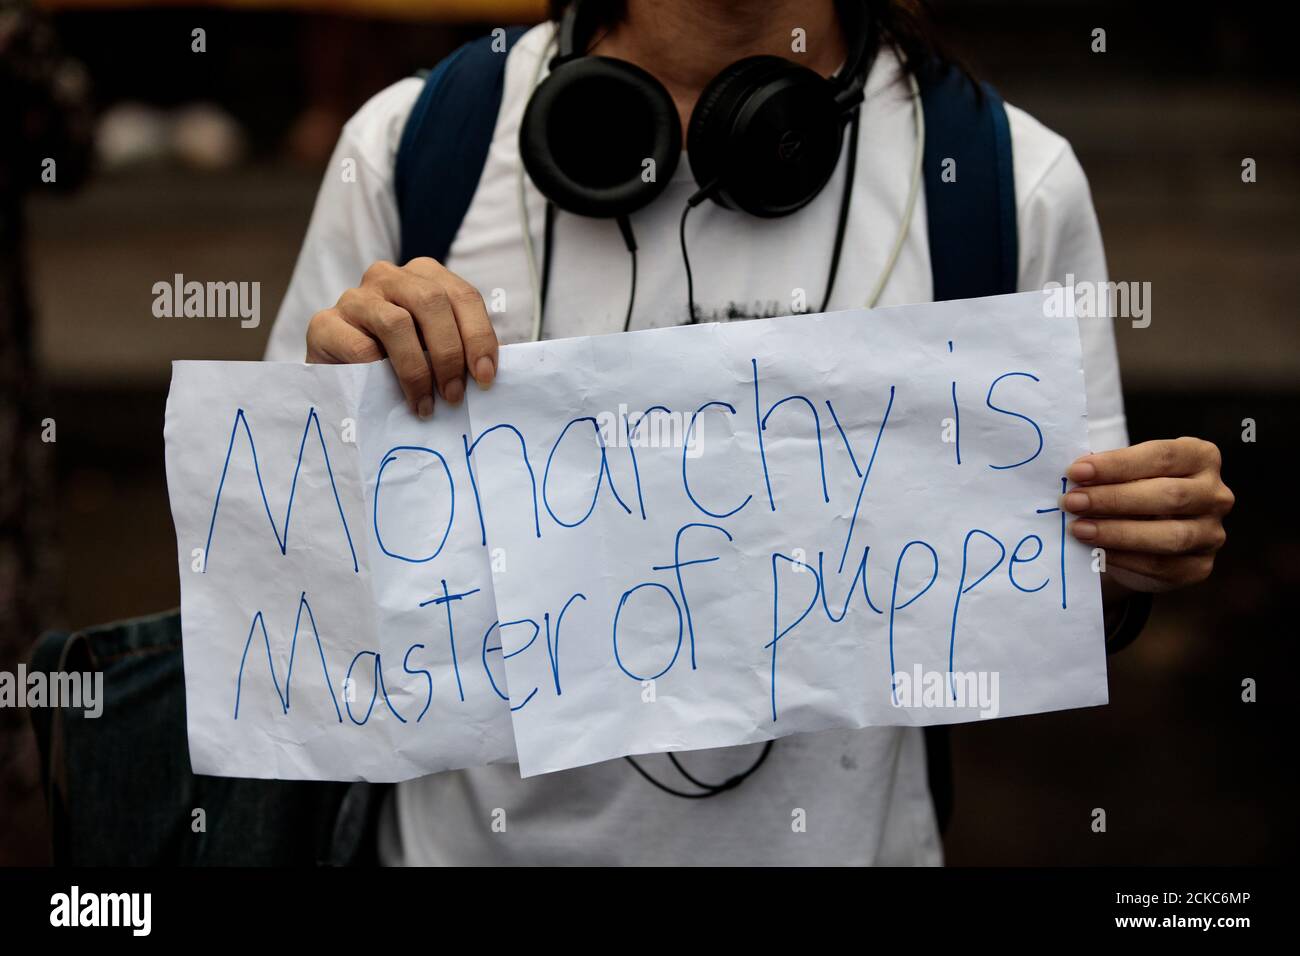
(429,321)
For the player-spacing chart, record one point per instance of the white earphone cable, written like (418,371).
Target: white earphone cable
(913,190)
(529,250)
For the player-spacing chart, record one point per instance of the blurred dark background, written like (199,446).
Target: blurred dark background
(207,165)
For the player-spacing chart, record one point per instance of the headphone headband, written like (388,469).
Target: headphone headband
(860,30)
(577,26)
(568,33)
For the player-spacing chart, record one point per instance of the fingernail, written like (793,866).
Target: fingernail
(1075,501)
(1082,471)
(483,371)
(425,408)
(454,390)
(1084,530)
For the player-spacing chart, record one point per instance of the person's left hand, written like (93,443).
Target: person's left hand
(1156,508)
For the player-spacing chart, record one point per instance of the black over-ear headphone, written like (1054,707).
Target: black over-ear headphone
(764,136)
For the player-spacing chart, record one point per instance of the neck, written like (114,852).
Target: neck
(685,43)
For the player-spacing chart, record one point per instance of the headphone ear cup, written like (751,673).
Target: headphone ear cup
(589,129)
(766,133)
(707,132)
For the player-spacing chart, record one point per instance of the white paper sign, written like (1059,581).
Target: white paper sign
(328,635)
(672,539)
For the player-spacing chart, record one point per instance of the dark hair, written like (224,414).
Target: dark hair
(904,25)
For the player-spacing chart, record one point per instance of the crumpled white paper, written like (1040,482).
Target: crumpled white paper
(651,576)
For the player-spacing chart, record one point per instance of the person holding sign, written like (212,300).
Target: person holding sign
(638,165)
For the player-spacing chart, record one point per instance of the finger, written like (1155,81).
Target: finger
(1175,570)
(1223,499)
(395,330)
(332,340)
(377,273)
(1180,536)
(1149,497)
(477,335)
(1176,457)
(427,302)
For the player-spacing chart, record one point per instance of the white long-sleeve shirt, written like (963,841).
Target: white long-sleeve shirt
(863,793)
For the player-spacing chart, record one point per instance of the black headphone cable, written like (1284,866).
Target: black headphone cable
(845,201)
(710,789)
(698,197)
(625,227)
(841,225)
(629,239)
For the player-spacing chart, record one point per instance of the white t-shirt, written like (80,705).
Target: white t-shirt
(863,793)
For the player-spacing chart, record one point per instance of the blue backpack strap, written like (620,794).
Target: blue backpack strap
(445,143)
(973,250)
(972,220)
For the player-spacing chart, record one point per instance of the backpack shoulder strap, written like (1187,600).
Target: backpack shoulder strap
(445,142)
(971,216)
(971,211)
